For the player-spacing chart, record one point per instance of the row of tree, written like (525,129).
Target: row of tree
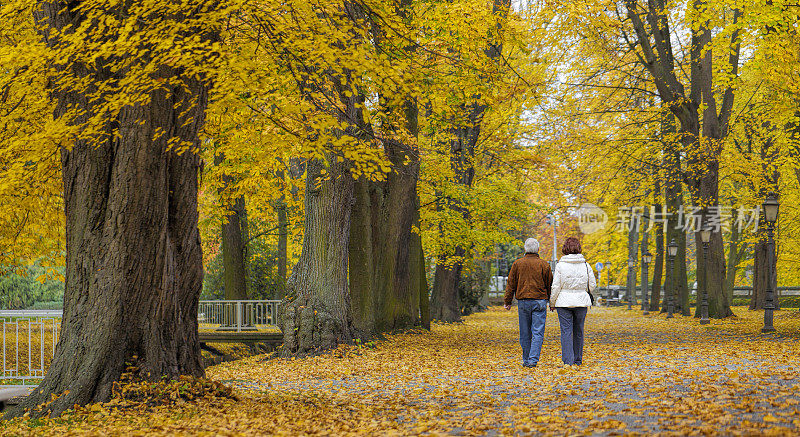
(386,146)
(373,139)
(682,109)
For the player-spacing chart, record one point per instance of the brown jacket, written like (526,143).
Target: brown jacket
(530,277)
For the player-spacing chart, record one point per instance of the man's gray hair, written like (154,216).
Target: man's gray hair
(531,245)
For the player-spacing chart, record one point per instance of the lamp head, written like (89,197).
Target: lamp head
(631,263)
(771,206)
(672,248)
(647,257)
(705,235)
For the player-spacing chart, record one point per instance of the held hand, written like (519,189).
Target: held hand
(507,307)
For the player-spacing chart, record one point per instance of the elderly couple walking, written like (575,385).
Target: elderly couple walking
(567,291)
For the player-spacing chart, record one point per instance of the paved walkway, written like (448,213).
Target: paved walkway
(641,375)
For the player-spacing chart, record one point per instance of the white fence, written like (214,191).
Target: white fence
(238,315)
(29,337)
(28,342)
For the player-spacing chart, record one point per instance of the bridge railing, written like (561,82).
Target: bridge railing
(28,342)
(238,315)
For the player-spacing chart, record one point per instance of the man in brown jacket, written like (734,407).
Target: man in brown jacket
(529,280)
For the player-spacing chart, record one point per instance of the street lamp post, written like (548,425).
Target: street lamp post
(552,219)
(631,280)
(770,206)
(672,251)
(705,236)
(646,257)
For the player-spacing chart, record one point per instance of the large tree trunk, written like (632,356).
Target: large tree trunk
(362,261)
(234,259)
(234,248)
(133,256)
(704,175)
(633,243)
(316,313)
(397,294)
(385,291)
(711,271)
(283,243)
(445,302)
(419,274)
(384,288)
(764,273)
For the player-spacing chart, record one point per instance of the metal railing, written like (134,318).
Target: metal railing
(28,343)
(238,315)
(28,338)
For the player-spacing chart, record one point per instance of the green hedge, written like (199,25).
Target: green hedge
(785,301)
(52,305)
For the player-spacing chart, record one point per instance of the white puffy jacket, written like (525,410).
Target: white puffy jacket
(569,282)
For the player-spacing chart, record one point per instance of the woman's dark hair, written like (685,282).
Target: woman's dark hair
(571,246)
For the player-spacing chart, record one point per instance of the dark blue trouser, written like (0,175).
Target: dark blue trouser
(532,315)
(571,321)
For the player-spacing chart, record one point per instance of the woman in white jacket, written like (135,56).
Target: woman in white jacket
(573,281)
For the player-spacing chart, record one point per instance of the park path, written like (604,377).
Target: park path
(642,375)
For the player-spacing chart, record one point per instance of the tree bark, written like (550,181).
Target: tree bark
(362,262)
(762,271)
(316,313)
(234,243)
(445,302)
(397,294)
(419,273)
(385,293)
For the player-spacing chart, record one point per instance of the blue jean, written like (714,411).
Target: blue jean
(532,315)
(571,321)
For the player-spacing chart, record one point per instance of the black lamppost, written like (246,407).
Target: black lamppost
(705,236)
(631,281)
(646,258)
(608,280)
(672,251)
(770,206)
